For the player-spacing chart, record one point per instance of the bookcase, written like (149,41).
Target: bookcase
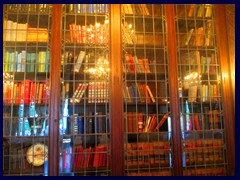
(116,90)
(26,82)
(202,124)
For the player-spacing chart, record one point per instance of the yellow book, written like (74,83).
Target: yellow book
(150,93)
(40,93)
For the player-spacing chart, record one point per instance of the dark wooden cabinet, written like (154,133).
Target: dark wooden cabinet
(127,90)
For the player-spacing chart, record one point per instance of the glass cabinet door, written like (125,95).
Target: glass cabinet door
(147,123)
(202,125)
(84,102)
(26,65)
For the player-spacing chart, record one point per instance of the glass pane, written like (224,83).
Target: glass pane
(84,104)
(200,93)
(147,123)
(26,65)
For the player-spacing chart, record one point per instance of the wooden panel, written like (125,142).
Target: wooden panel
(116,96)
(173,91)
(230,19)
(228,109)
(53,152)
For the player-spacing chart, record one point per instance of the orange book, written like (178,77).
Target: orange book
(196,122)
(215,92)
(160,123)
(40,93)
(191,10)
(153,123)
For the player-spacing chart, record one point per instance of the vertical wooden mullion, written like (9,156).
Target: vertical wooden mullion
(173,91)
(53,150)
(116,96)
(227,96)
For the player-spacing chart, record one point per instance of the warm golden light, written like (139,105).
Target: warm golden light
(101,70)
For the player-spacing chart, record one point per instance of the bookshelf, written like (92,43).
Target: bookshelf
(147,126)
(117,90)
(84,103)
(201,103)
(26,69)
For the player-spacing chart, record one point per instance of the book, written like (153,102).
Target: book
(79,61)
(160,123)
(151,94)
(196,122)
(208,11)
(189,36)
(191,10)
(191,62)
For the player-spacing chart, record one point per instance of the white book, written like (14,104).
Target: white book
(79,61)
(8,30)
(13,31)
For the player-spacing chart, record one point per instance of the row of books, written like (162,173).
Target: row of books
(74,61)
(193,61)
(139,122)
(87,8)
(211,171)
(204,151)
(203,93)
(134,64)
(138,92)
(201,36)
(147,153)
(26,90)
(93,34)
(92,123)
(97,92)
(128,34)
(92,157)
(200,10)
(22,32)
(210,119)
(151,173)
(34,8)
(136,9)
(26,62)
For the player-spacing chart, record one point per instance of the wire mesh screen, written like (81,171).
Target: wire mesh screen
(84,104)
(200,91)
(147,123)
(26,65)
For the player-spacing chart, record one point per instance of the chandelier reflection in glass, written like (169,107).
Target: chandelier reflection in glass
(101,69)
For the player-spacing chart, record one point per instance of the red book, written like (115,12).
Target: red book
(44,93)
(96,157)
(71,32)
(189,123)
(78,156)
(32,91)
(87,157)
(101,155)
(140,122)
(10,91)
(196,122)
(27,86)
